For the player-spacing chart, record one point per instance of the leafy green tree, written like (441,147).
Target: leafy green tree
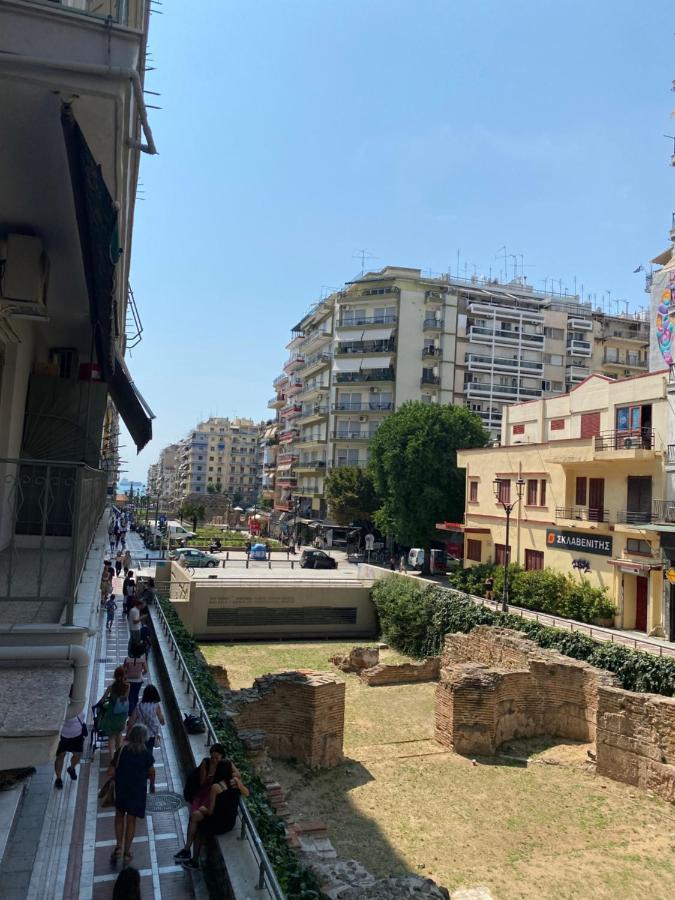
(351,494)
(413,462)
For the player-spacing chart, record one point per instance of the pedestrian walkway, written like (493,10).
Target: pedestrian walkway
(76,838)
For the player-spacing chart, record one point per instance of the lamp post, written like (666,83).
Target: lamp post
(502,489)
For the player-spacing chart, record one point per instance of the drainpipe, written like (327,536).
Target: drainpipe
(76,655)
(116,72)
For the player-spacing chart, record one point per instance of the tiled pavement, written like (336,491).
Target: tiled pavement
(76,838)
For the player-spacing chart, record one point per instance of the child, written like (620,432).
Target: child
(110,609)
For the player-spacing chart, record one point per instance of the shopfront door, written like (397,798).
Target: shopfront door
(641,594)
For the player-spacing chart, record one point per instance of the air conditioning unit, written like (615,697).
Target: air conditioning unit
(374,390)
(363,418)
(631,443)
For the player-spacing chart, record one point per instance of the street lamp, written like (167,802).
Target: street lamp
(502,489)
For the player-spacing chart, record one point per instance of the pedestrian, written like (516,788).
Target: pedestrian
(198,784)
(149,713)
(106,583)
(392,563)
(115,704)
(488,587)
(127,885)
(73,733)
(113,544)
(134,623)
(129,590)
(118,563)
(127,562)
(110,608)
(401,563)
(132,767)
(247,547)
(215,817)
(135,667)
(268,551)
(117,534)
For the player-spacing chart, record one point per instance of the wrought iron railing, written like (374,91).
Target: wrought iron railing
(663,511)
(642,439)
(582,513)
(634,516)
(49,511)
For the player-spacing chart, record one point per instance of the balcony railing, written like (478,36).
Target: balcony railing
(349,347)
(625,440)
(579,348)
(482,363)
(582,513)
(499,336)
(51,510)
(485,389)
(634,516)
(364,375)
(430,379)
(289,435)
(351,435)
(323,357)
(372,319)
(663,511)
(497,311)
(275,402)
(294,363)
(370,406)
(431,323)
(310,464)
(629,361)
(311,411)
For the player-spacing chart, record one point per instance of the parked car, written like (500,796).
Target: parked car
(317,559)
(197,558)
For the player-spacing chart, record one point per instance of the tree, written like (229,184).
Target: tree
(413,463)
(351,494)
(192,511)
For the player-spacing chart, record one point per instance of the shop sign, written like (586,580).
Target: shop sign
(572,540)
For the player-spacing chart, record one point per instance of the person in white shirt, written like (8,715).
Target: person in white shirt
(72,741)
(134,621)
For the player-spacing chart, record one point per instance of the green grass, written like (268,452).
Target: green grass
(208,533)
(400,803)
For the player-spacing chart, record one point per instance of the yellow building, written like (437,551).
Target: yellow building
(592,478)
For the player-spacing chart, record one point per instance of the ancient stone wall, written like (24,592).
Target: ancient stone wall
(499,647)
(405,673)
(636,740)
(301,713)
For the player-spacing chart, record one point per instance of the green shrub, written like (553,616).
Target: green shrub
(415,619)
(297,882)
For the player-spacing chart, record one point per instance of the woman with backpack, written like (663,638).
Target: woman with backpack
(115,706)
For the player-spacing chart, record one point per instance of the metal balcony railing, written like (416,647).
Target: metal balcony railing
(477,361)
(50,510)
(431,322)
(355,406)
(372,319)
(351,435)
(625,440)
(365,375)
(582,513)
(499,336)
(634,516)
(430,379)
(663,511)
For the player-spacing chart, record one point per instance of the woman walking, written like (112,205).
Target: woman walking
(135,667)
(126,562)
(133,767)
(149,713)
(118,563)
(217,816)
(115,703)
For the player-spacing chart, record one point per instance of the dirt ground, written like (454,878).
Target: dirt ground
(535,822)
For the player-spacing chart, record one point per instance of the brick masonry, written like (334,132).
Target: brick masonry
(406,673)
(301,713)
(496,685)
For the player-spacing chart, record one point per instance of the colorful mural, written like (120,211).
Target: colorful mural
(664,325)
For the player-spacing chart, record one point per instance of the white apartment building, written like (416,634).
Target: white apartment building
(393,336)
(220,456)
(161,481)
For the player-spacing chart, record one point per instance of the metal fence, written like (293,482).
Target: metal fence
(49,511)
(266,875)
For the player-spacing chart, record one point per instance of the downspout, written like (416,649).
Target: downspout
(73,653)
(117,72)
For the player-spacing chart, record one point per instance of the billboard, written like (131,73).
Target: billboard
(572,540)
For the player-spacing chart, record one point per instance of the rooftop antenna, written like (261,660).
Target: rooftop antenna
(364,255)
(506,260)
(671,138)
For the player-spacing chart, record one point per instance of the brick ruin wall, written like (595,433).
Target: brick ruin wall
(301,713)
(496,685)
(405,673)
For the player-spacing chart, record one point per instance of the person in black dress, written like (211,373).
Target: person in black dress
(217,816)
(132,767)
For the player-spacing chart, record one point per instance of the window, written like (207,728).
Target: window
(531,492)
(556,386)
(473,491)
(580,497)
(504,490)
(556,334)
(500,554)
(534,559)
(642,548)
(519,428)
(553,359)
(542,492)
(557,424)
(473,550)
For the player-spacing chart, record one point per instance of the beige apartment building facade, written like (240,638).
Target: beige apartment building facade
(594,493)
(395,335)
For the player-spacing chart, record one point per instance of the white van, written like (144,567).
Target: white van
(174,533)
(416,558)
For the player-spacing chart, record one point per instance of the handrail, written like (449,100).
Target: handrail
(266,875)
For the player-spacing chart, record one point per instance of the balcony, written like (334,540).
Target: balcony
(310,465)
(312,439)
(286,481)
(371,406)
(431,353)
(477,363)
(508,391)
(316,362)
(289,435)
(294,388)
(368,347)
(579,325)
(508,338)
(495,311)
(286,458)
(579,348)
(313,413)
(364,375)
(311,491)
(291,411)
(294,363)
(663,511)
(368,319)
(576,374)
(638,335)
(351,435)
(626,361)
(315,338)
(582,513)
(430,379)
(431,323)
(434,297)
(283,505)
(634,517)
(625,440)
(345,463)
(276,402)
(52,510)
(280,381)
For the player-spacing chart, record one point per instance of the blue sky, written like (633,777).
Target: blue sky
(293,133)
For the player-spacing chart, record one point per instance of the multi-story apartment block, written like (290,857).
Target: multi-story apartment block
(589,469)
(395,335)
(220,456)
(161,482)
(74,128)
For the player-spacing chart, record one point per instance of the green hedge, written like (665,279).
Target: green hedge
(415,619)
(544,590)
(297,882)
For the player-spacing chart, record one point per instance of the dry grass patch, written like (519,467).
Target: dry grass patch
(401,803)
